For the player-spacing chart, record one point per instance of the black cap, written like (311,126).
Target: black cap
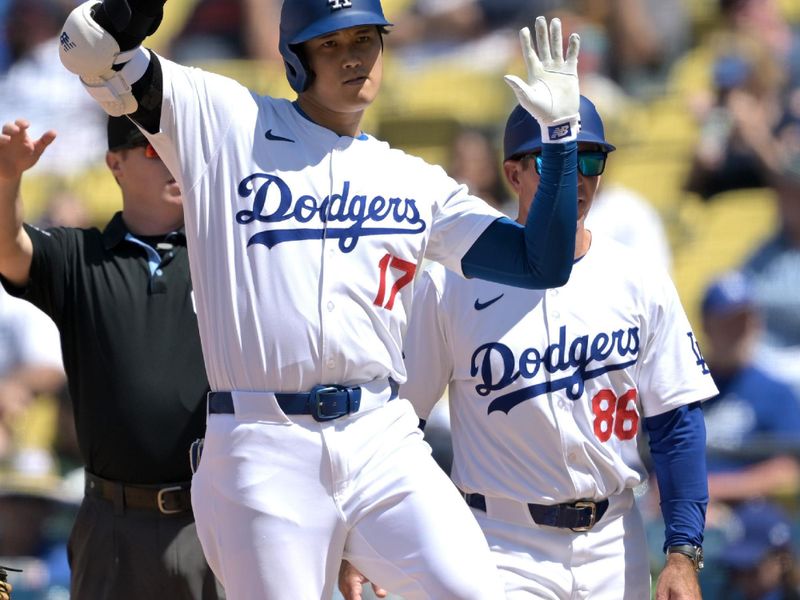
(122,133)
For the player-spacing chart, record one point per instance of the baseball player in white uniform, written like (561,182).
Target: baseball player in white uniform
(549,391)
(304,237)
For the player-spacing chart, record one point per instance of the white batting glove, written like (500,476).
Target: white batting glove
(551,94)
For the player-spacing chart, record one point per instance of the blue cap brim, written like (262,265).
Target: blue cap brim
(336,22)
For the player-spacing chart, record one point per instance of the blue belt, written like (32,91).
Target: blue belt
(323,402)
(578,516)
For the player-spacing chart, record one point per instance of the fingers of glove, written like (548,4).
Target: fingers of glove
(532,62)
(556,42)
(543,41)
(573,49)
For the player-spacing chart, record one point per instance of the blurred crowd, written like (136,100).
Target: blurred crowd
(732,66)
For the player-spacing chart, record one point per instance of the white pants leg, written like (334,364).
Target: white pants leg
(412,532)
(277,501)
(610,562)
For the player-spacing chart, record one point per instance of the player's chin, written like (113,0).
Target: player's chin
(360,94)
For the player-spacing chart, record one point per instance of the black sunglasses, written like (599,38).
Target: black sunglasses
(591,163)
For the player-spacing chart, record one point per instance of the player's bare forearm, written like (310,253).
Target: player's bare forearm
(18,153)
(678,580)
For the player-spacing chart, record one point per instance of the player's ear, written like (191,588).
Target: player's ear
(114,163)
(512,170)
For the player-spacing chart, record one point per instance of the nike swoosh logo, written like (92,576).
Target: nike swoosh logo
(276,138)
(481,305)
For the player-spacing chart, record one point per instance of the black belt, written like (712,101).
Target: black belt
(578,516)
(323,402)
(166,499)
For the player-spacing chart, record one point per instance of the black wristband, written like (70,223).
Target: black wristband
(694,553)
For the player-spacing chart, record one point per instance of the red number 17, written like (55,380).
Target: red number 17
(408,269)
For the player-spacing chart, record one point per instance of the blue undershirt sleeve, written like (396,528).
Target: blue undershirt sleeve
(540,254)
(678,447)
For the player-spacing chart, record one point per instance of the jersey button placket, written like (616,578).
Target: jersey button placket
(329,266)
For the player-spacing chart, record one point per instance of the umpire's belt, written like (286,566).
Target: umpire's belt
(323,402)
(167,499)
(578,516)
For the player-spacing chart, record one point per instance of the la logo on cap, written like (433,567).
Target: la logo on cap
(337,4)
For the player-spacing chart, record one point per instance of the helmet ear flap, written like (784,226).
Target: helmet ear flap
(296,66)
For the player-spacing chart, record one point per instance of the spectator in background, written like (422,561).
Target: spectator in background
(37,87)
(5,50)
(229,29)
(479,33)
(753,425)
(30,364)
(475,162)
(760,555)
(642,39)
(736,148)
(764,19)
(774,270)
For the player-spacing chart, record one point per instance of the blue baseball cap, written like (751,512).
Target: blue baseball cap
(523,134)
(756,529)
(302,20)
(729,293)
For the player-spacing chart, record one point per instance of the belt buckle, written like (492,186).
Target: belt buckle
(592,519)
(316,402)
(160,500)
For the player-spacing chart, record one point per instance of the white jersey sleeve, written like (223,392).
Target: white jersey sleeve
(459,219)
(196,114)
(673,371)
(428,358)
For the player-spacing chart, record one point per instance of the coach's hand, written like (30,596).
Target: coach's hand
(551,93)
(678,580)
(5,590)
(351,583)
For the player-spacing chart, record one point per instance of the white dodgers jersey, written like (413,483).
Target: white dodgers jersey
(303,244)
(548,388)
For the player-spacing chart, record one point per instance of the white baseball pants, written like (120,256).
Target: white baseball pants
(280,501)
(609,562)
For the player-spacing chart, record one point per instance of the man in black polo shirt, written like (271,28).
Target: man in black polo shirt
(122,300)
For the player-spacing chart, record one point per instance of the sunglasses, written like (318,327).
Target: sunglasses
(149,151)
(590,163)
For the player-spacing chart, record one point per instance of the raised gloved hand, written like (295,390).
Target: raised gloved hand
(551,93)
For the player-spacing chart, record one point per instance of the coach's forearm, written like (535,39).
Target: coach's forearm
(539,255)
(677,444)
(552,219)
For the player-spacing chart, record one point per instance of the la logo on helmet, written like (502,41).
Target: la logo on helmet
(337,4)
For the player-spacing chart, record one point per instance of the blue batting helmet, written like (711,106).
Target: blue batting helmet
(523,134)
(302,20)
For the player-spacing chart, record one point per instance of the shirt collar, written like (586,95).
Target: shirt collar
(116,230)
